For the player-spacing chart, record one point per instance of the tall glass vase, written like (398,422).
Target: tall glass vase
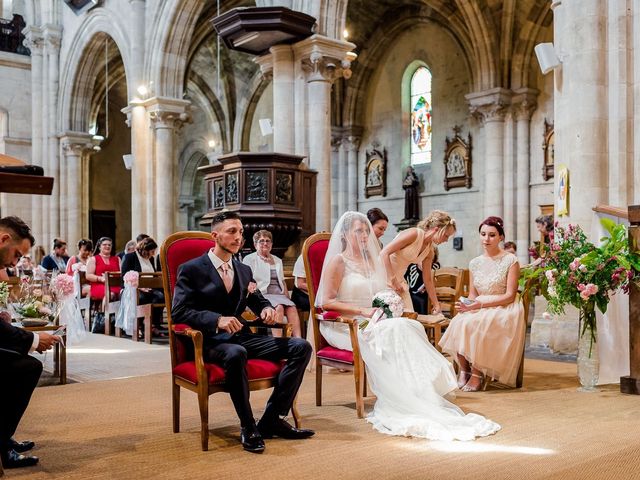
(588,360)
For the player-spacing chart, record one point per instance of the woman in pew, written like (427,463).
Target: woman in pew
(143,260)
(269,274)
(102,261)
(79,262)
(487,336)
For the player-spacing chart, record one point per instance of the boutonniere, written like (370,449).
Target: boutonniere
(251,288)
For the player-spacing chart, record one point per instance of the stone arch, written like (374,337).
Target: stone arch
(169,46)
(537,19)
(246,111)
(81,67)
(355,100)
(207,100)
(192,194)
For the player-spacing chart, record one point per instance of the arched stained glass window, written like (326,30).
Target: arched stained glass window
(421,116)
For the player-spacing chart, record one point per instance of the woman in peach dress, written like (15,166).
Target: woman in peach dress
(487,336)
(416,245)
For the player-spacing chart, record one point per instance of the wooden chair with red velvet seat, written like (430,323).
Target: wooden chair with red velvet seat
(188,368)
(313,253)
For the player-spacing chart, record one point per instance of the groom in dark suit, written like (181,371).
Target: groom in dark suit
(19,371)
(210,295)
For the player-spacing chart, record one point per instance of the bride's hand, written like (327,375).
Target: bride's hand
(367,312)
(397,285)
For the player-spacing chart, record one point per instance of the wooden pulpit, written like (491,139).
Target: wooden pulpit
(631,383)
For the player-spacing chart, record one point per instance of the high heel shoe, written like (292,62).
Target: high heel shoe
(463,378)
(481,385)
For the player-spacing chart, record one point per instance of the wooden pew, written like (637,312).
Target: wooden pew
(111,307)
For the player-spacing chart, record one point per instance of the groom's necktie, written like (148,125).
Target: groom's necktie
(226,277)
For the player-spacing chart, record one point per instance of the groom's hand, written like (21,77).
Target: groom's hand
(268,315)
(229,324)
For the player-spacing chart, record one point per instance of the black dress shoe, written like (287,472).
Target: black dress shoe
(21,447)
(13,459)
(251,440)
(281,428)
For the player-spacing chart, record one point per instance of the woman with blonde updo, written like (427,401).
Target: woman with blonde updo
(416,245)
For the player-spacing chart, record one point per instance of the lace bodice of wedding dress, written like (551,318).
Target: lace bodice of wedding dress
(490,274)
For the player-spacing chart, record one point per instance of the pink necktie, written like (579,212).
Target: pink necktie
(226,277)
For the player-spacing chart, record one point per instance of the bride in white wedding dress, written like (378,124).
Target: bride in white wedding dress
(406,373)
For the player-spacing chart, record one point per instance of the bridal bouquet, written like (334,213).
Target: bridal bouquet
(390,305)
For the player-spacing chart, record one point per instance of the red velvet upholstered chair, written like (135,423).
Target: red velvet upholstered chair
(313,253)
(187,365)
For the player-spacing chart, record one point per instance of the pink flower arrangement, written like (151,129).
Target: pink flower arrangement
(62,284)
(132,278)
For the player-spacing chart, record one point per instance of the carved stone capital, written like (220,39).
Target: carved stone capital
(52,37)
(34,40)
(325,59)
(76,144)
(524,103)
(170,113)
(352,143)
(490,105)
(266,65)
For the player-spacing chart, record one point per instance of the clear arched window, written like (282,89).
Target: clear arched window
(421,116)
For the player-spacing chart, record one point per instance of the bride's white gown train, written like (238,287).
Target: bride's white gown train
(407,374)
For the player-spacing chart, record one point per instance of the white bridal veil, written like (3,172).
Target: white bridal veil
(354,242)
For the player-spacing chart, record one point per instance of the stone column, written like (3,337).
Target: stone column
(580,104)
(509,184)
(524,105)
(325,59)
(343,178)
(167,116)
(489,108)
(35,43)
(336,181)
(352,147)
(74,146)
(138,120)
(283,99)
(53,36)
(137,45)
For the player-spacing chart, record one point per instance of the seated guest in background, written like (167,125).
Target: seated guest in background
(102,261)
(211,292)
(25,265)
(379,222)
(544,224)
(510,247)
(269,274)
(19,371)
(85,247)
(57,259)
(487,337)
(144,260)
(417,290)
(129,247)
(38,255)
(300,293)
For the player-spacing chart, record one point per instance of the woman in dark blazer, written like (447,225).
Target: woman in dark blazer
(143,260)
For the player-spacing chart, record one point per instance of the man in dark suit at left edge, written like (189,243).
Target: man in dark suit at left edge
(211,293)
(19,372)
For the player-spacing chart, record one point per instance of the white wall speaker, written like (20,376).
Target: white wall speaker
(547,57)
(128,161)
(265,126)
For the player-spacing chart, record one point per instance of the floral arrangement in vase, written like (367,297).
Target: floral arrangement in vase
(573,271)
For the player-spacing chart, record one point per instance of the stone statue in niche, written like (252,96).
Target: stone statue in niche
(232,188)
(257,186)
(411,199)
(455,167)
(284,188)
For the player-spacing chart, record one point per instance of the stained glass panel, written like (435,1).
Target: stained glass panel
(421,116)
